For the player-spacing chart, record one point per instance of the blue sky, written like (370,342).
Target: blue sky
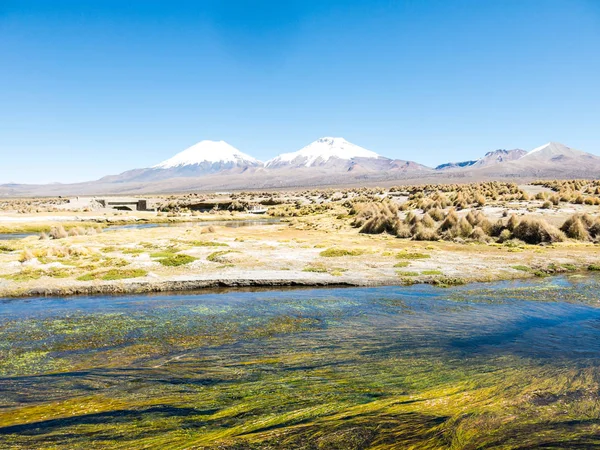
(89,88)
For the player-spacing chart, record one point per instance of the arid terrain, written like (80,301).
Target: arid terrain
(437,234)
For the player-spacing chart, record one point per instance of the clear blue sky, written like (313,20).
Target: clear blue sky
(89,88)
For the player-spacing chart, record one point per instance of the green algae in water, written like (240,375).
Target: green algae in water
(505,365)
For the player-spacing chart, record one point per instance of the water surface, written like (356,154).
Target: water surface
(503,365)
(142,226)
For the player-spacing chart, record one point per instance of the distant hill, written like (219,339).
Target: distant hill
(489,159)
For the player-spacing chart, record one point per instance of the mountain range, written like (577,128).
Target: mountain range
(216,165)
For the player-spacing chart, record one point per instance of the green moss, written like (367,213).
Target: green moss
(133,251)
(113,262)
(522,268)
(176,260)
(58,273)
(216,256)
(207,244)
(25,275)
(165,253)
(338,252)
(412,255)
(407,274)
(114,274)
(594,267)
(316,268)
(432,272)
(402,264)
(87,277)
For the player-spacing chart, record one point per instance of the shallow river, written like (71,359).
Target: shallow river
(504,365)
(142,226)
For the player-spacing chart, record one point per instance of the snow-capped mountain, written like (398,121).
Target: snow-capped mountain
(201,159)
(553,150)
(216,154)
(322,152)
(216,165)
(551,160)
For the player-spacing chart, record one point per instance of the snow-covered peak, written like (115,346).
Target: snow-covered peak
(540,148)
(323,150)
(550,150)
(211,152)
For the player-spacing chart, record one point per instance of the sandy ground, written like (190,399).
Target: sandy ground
(286,254)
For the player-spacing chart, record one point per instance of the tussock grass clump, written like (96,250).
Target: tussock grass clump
(537,231)
(505,236)
(512,223)
(427,221)
(463,228)
(58,232)
(574,228)
(338,252)
(6,248)
(582,227)
(594,229)
(422,233)
(479,235)
(450,221)
(436,214)
(377,218)
(26,255)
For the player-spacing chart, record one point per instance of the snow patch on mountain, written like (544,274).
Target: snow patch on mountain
(552,150)
(211,152)
(321,151)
